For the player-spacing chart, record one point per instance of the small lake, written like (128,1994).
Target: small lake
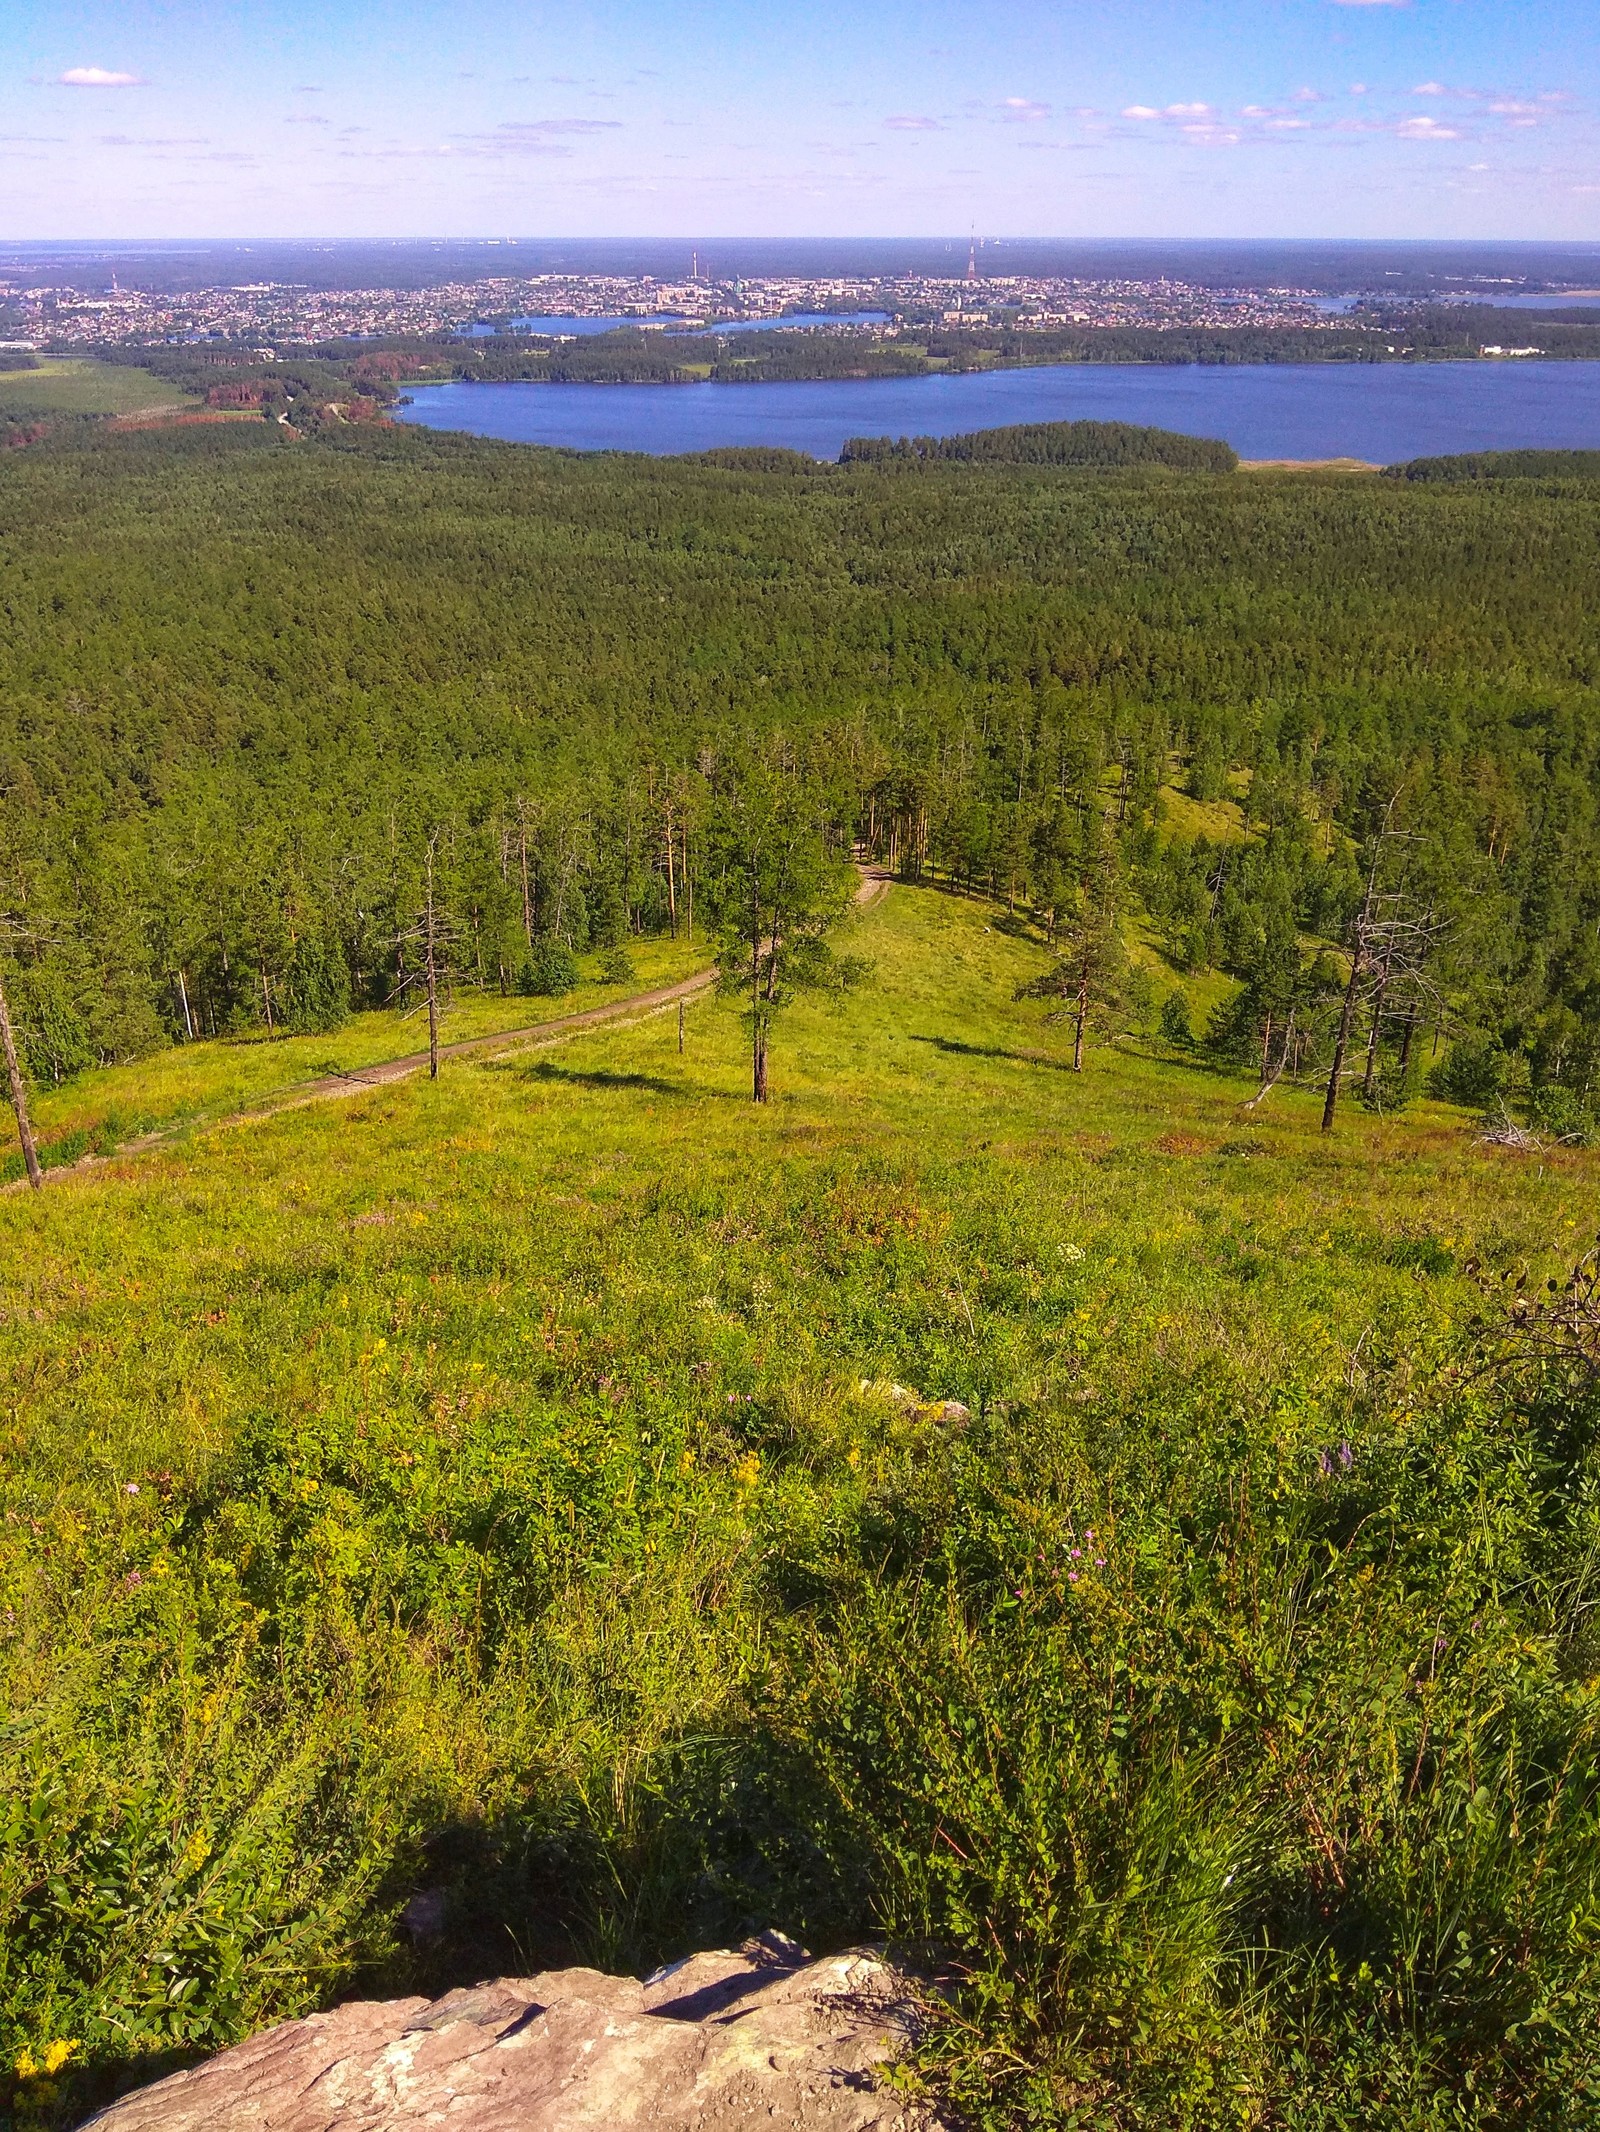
(1379,411)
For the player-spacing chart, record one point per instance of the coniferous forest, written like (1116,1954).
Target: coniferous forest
(1089,1480)
(244,683)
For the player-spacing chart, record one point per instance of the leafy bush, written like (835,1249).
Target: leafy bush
(1475,1071)
(550,970)
(1562,1112)
(1176,1027)
(616,967)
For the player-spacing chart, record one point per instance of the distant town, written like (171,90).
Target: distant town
(61,316)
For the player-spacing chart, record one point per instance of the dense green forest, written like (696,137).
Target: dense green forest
(245,679)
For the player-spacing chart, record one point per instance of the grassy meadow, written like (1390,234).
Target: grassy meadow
(496,1487)
(77,385)
(198,1083)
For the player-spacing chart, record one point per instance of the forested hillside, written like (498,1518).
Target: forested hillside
(244,678)
(1028,1490)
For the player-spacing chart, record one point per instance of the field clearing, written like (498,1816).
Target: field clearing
(207,1080)
(72,385)
(489,1484)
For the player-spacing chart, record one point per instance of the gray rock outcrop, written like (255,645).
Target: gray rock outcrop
(764,2037)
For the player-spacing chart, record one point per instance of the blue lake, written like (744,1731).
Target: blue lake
(1379,411)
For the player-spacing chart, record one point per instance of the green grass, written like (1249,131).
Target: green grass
(73,385)
(481,1485)
(208,1080)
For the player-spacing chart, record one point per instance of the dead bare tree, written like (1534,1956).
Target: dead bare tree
(433,934)
(1390,944)
(19,1092)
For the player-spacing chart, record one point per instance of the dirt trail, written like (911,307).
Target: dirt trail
(873,888)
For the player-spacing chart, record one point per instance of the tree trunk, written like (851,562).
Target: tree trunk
(1341,1042)
(672,886)
(1083,1016)
(188,1018)
(432,971)
(527,899)
(680,1028)
(19,1095)
(1370,1076)
(266,994)
(758,1060)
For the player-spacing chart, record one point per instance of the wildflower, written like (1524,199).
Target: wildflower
(1324,1465)
(56,2055)
(130,1487)
(1347,1457)
(1075,1552)
(1072,1576)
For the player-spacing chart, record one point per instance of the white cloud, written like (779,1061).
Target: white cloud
(1023,110)
(1430,88)
(1188,111)
(914,122)
(307,118)
(97,78)
(1139,111)
(1426,129)
(560,125)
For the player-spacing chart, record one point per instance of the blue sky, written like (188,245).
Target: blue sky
(1165,118)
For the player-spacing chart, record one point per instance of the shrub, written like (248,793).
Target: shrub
(550,970)
(616,967)
(1176,1027)
(1562,1111)
(1473,1071)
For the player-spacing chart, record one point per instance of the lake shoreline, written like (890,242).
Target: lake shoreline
(1373,413)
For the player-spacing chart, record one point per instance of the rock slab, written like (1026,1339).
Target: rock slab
(763,2037)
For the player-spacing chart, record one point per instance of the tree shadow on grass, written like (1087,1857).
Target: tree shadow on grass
(994,1051)
(601,1078)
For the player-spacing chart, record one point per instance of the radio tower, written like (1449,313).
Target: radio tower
(972,257)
